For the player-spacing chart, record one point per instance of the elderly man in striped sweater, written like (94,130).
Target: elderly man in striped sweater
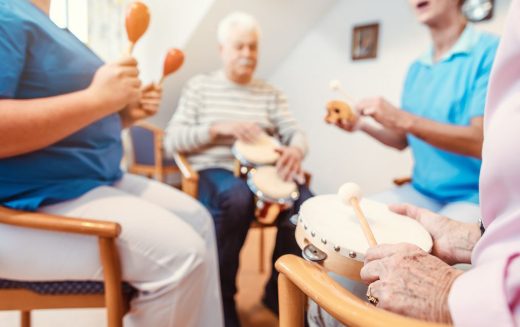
(216,109)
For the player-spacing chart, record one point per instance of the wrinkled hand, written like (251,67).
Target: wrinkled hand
(453,241)
(408,281)
(385,113)
(289,163)
(146,107)
(243,131)
(350,125)
(115,85)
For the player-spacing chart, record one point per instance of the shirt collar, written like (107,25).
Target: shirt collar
(466,42)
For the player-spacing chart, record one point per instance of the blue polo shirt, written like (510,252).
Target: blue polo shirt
(450,91)
(38,59)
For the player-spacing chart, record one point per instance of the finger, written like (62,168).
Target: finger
(373,271)
(128,71)
(369,111)
(386,250)
(127,61)
(148,87)
(149,108)
(377,289)
(150,101)
(411,211)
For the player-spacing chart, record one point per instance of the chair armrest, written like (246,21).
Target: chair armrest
(314,281)
(402,180)
(190,177)
(59,223)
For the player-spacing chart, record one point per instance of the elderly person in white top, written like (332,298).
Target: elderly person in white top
(216,109)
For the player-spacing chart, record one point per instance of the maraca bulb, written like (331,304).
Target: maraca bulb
(173,61)
(348,191)
(137,20)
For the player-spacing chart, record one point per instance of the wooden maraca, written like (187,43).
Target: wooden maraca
(172,62)
(136,23)
(350,193)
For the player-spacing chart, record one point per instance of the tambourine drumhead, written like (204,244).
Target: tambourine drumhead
(261,152)
(265,180)
(333,226)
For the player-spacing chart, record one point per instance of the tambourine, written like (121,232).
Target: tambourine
(329,232)
(272,194)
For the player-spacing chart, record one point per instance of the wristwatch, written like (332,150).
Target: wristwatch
(481,225)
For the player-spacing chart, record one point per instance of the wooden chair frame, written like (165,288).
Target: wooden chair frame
(157,171)
(190,185)
(25,300)
(299,279)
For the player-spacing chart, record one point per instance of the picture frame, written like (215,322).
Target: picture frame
(365,41)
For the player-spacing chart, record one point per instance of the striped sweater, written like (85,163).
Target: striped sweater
(212,98)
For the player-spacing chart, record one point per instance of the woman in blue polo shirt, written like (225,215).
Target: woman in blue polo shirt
(62,111)
(442,114)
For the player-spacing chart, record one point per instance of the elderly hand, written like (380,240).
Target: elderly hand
(289,163)
(406,280)
(453,241)
(385,113)
(147,106)
(244,131)
(351,125)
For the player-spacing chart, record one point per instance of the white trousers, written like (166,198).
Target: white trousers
(461,211)
(167,249)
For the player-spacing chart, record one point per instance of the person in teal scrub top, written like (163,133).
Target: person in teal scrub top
(441,114)
(61,114)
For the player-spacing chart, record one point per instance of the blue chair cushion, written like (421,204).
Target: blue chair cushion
(65,287)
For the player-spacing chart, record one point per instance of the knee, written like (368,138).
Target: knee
(237,198)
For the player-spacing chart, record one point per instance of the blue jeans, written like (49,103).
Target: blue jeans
(232,207)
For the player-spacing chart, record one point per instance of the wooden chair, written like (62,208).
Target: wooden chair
(111,293)
(147,156)
(299,279)
(189,184)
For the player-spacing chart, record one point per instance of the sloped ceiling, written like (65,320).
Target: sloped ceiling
(284,23)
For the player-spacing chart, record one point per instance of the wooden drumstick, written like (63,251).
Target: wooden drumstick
(335,85)
(136,23)
(350,194)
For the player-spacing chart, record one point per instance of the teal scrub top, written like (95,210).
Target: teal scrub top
(38,59)
(450,91)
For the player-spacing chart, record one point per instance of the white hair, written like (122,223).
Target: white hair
(234,20)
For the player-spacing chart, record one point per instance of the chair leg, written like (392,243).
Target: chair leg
(261,250)
(25,318)
(292,303)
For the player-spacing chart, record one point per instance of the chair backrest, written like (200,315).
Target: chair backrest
(143,141)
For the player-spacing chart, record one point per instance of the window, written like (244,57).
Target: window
(71,14)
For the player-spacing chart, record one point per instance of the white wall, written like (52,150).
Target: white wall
(282,30)
(336,157)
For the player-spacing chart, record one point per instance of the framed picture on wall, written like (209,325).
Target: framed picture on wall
(365,41)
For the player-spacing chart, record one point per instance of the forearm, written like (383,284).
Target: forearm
(463,242)
(384,135)
(29,125)
(465,140)
(299,141)
(184,139)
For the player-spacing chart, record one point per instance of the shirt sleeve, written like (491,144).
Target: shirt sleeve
(290,132)
(478,92)
(13,48)
(492,289)
(184,132)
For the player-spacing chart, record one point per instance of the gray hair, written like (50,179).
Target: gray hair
(234,20)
